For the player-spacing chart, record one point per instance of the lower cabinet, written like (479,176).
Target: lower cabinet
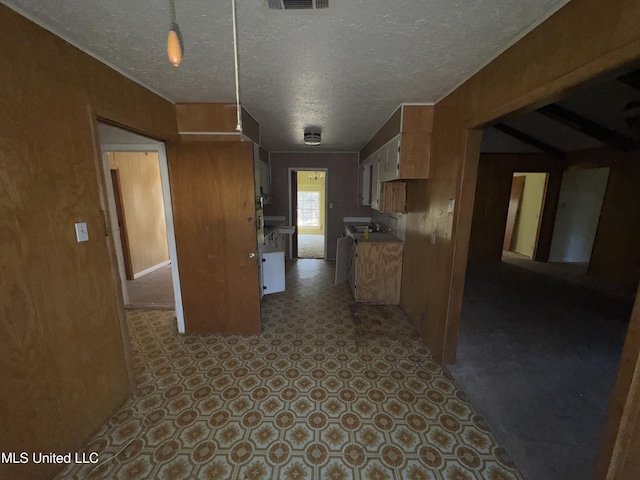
(374,269)
(376,272)
(272,265)
(272,273)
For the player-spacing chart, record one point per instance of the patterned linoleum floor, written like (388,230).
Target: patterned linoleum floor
(330,390)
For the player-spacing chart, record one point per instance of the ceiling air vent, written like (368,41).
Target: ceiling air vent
(297,4)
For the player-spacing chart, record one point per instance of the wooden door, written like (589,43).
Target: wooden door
(122,222)
(517,186)
(213,198)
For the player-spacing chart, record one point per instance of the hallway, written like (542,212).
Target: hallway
(330,390)
(152,291)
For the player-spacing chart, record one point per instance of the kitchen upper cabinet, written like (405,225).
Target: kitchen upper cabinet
(265,178)
(393,197)
(366,181)
(390,160)
(262,174)
(401,150)
(404,144)
(386,195)
(383,165)
(393,163)
(398,163)
(375,181)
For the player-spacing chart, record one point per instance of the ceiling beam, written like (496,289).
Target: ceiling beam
(589,127)
(529,140)
(631,79)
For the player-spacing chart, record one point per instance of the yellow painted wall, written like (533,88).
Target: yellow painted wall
(306,184)
(525,232)
(143,207)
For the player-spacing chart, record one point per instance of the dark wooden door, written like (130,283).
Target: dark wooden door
(294,214)
(517,186)
(213,198)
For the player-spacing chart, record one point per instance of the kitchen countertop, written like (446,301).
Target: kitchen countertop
(270,228)
(373,237)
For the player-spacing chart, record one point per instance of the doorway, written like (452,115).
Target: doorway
(540,345)
(526,203)
(309,212)
(139,203)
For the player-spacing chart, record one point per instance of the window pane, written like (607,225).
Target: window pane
(309,209)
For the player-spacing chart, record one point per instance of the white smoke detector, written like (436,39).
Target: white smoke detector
(312,138)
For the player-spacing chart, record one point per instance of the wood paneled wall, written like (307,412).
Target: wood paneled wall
(215,122)
(616,256)
(342,188)
(62,366)
(206,117)
(143,207)
(580,41)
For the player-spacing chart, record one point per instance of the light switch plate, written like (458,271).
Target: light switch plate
(82,234)
(452,206)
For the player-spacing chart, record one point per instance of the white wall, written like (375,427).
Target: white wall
(525,231)
(581,196)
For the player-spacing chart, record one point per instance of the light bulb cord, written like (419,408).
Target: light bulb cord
(235,59)
(172,12)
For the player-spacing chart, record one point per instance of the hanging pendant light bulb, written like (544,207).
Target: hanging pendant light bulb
(174,46)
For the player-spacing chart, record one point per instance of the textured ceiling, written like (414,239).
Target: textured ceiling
(344,69)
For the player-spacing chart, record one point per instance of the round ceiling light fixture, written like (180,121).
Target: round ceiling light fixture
(312,138)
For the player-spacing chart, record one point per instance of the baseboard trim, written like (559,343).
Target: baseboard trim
(150,269)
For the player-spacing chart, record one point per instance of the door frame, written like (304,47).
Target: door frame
(543,201)
(622,419)
(326,203)
(168,213)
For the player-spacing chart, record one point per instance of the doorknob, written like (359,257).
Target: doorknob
(252,255)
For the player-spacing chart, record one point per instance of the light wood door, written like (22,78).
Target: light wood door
(212,190)
(517,186)
(122,222)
